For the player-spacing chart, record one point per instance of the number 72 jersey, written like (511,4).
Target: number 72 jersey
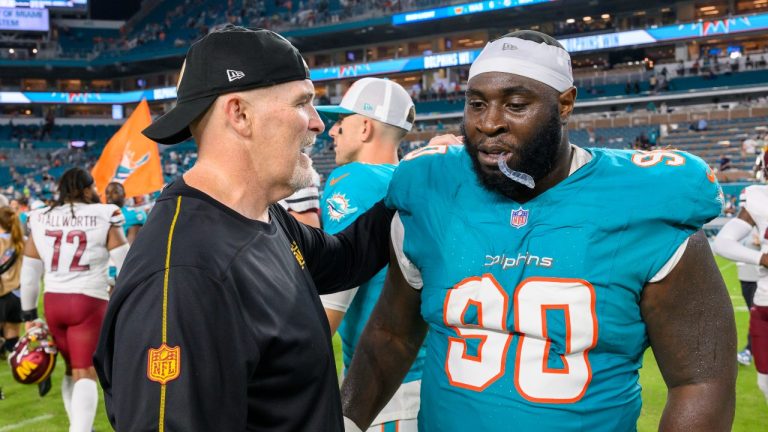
(533,309)
(72,243)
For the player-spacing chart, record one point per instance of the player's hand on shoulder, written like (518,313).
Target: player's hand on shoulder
(445,140)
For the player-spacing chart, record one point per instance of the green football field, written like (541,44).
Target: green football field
(23,410)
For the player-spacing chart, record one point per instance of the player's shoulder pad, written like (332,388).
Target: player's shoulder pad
(667,166)
(677,180)
(424,173)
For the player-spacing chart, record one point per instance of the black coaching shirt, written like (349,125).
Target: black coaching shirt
(215,323)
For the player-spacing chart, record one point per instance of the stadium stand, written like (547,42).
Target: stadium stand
(651,74)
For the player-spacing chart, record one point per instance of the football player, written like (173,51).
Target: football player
(372,118)
(134,218)
(71,243)
(543,271)
(729,243)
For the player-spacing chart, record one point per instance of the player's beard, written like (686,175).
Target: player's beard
(302,173)
(535,157)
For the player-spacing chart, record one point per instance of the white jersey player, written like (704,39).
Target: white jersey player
(71,243)
(728,243)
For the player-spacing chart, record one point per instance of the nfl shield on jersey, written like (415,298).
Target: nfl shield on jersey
(533,308)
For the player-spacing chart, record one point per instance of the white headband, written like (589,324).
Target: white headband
(548,64)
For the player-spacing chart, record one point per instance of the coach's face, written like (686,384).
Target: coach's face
(507,113)
(290,123)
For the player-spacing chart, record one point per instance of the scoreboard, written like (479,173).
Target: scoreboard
(51,4)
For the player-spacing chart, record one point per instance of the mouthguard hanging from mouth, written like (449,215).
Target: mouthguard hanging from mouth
(517,176)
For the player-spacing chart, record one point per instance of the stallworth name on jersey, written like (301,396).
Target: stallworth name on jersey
(67,220)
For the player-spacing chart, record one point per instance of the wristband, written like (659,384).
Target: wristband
(29,315)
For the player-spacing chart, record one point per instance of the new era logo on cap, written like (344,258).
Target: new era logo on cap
(215,65)
(234,75)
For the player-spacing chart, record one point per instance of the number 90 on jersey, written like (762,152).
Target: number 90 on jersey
(477,309)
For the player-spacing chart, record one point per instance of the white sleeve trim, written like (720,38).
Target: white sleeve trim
(728,242)
(671,263)
(410,272)
(339,301)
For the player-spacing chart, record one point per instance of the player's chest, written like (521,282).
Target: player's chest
(516,254)
(513,241)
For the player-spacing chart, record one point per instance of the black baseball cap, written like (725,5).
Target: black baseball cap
(227,60)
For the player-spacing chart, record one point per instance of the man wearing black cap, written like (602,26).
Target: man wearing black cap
(215,322)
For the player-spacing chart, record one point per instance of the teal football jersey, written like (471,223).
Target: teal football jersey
(533,309)
(350,191)
(133,217)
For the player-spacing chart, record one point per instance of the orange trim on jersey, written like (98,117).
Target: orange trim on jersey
(479,324)
(545,360)
(462,339)
(711,175)
(522,339)
(161,420)
(425,151)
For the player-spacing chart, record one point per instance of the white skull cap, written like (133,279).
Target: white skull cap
(545,63)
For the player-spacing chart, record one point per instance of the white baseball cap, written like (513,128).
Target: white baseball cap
(376,98)
(545,63)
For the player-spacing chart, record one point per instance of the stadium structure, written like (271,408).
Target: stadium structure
(692,75)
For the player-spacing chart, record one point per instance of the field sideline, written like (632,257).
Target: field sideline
(23,410)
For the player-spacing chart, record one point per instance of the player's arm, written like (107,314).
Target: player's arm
(386,349)
(32,269)
(132,233)
(347,259)
(336,306)
(728,242)
(117,245)
(691,328)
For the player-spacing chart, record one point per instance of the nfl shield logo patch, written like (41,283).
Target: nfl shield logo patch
(163,363)
(519,218)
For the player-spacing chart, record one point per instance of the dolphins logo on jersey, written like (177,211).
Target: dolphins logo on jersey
(338,207)
(128,165)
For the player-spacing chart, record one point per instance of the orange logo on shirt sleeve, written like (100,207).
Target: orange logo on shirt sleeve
(711,175)
(163,363)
